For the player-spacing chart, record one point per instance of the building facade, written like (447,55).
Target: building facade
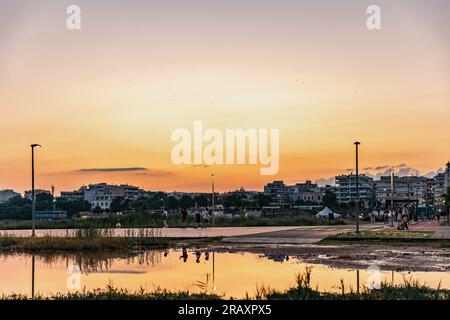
(441,184)
(279,193)
(346,189)
(101,195)
(406,189)
(6,195)
(307,193)
(28,195)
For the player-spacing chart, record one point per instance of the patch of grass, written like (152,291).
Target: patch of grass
(384,235)
(113,293)
(154,220)
(96,240)
(409,290)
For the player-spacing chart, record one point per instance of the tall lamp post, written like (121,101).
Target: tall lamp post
(357,143)
(33,196)
(212,197)
(392,198)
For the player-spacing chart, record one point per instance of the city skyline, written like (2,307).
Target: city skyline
(104,100)
(401,170)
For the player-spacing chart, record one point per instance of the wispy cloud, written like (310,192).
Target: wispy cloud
(155,173)
(130,169)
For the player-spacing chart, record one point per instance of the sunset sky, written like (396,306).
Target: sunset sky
(109,95)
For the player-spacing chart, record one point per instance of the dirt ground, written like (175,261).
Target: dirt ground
(389,257)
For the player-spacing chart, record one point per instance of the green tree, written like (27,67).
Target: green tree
(263,200)
(73,207)
(97,210)
(16,208)
(186,202)
(172,202)
(44,201)
(329,199)
(201,200)
(232,200)
(119,204)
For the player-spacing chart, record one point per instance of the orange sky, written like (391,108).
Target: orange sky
(109,95)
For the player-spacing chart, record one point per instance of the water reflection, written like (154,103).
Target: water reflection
(194,269)
(32,275)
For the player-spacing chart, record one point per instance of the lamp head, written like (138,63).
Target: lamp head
(34,145)
(213,174)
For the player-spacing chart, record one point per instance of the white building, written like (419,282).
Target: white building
(447,176)
(28,193)
(307,192)
(101,195)
(346,189)
(406,189)
(441,184)
(6,195)
(279,192)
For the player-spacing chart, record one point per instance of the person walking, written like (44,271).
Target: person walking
(205,216)
(385,217)
(404,222)
(165,216)
(198,217)
(184,215)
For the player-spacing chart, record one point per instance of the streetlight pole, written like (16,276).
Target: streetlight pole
(33,196)
(212,197)
(357,143)
(392,198)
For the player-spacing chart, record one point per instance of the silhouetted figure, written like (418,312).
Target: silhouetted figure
(198,255)
(205,217)
(165,216)
(404,222)
(184,215)
(198,217)
(184,254)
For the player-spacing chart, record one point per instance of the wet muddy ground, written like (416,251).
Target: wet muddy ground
(388,257)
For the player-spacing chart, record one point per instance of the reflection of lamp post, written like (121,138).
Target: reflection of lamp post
(33,197)
(32,276)
(214,272)
(212,198)
(357,187)
(357,281)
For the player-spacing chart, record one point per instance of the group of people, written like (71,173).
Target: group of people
(401,216)
(184,255)
(202,217)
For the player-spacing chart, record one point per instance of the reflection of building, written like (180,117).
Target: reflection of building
(36,192)
(279,193)
(101,195)
(6,195)
(406,189)
(346,189)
